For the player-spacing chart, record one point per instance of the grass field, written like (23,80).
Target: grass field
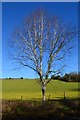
(29,89)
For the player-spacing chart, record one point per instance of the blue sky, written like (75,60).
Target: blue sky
(13,15)
(0,38)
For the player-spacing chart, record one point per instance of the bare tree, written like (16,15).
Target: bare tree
(42,41)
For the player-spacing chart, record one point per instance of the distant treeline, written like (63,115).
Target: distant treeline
(14,78)
(70,77)
(11,78)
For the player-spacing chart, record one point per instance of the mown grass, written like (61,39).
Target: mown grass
(0,88)
(29,89)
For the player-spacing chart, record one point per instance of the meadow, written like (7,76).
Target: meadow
(22,100)
(30,90)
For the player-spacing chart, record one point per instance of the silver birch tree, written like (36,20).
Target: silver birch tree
(43,40)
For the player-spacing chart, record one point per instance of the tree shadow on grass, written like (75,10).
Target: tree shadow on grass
(78,89)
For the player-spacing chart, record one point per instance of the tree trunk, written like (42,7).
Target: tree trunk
(43,91)
(43,95)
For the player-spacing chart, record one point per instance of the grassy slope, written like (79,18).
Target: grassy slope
(28,89)
(0,88)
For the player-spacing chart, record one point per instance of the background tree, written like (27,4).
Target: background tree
(71,77)
(43,40)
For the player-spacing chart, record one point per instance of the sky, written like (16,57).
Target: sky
(40,0)
(13,15)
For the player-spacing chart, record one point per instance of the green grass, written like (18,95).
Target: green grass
(29,89)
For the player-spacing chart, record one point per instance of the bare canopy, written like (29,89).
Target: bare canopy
(41,41)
